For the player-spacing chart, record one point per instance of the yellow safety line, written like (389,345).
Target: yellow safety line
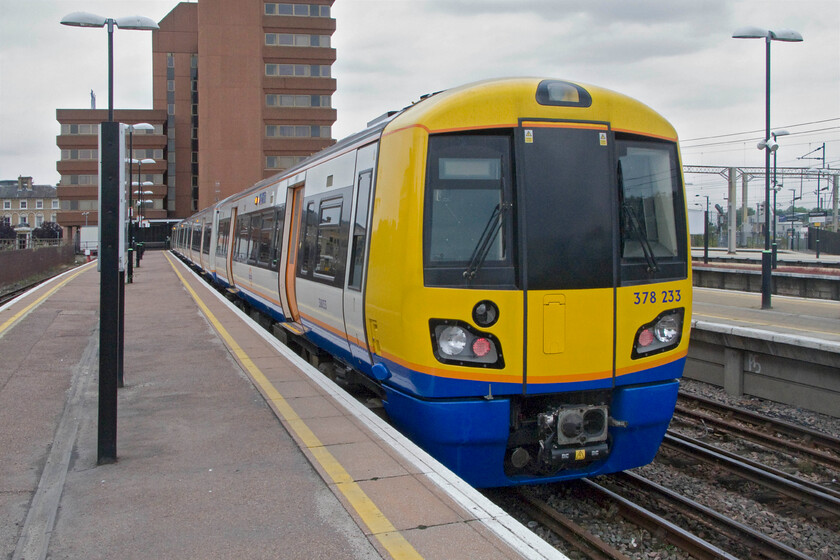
(20,314)
(385,532)
(731,319)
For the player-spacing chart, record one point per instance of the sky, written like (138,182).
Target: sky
(676,56)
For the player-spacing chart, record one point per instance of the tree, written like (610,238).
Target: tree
(47,230)
(7,231)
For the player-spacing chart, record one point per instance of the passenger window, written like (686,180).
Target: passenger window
(277,241)
(307,256)
(254,234)
(357,258)
(221,241)
(328,245)
(243,229)
(265,236)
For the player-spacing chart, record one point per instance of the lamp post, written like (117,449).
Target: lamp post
(705,230)
(132,240)
(111,310)
(131,162)
(768,35)
(793,200)
(776,188)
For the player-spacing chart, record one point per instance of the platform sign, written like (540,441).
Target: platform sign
(817,218)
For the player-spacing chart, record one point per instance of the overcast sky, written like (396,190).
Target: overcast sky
(677,56)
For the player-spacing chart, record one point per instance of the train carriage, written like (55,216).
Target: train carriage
(507,263)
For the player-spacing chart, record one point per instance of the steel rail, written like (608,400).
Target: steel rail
(759,475)
(817,439)
(575,535)
(761,545)
(761,466)
(661,527)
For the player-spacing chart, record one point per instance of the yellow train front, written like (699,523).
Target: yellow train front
(528,295)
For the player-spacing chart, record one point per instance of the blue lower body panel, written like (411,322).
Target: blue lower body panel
(470,436)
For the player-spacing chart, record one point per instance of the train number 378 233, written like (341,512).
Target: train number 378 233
(665,296)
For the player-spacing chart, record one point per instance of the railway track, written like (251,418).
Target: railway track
(809,494)
(9,296)
(666,512)
(732,539)
(785,437)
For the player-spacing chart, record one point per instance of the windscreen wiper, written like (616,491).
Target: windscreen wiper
(643,240)
(485,242)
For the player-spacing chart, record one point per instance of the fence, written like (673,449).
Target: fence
(16,266)
(829,240)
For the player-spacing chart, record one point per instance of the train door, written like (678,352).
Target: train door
(234,213)
(202,260)
(294,205)
(567,210)
(354,292)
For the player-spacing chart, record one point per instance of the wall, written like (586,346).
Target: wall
(16,266)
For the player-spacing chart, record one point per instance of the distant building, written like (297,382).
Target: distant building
(240,91)
(27,204)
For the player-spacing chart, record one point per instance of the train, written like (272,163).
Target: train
(505,263)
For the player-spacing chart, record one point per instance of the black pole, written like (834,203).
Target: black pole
(130,217)
(775,245)
(121,339)
(109,293)
(766,269)
(706,236)
(110,24)
(109,276)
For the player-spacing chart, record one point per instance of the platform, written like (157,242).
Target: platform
(229,445)
(789,353)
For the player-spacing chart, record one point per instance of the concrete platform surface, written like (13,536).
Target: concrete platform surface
(228,447)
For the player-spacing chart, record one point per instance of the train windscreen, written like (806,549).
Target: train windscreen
(652,219)
(468,228)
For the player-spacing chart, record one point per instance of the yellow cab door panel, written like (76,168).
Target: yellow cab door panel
(567,204)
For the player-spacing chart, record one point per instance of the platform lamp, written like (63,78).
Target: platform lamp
(131,162)
(111,304)
(789,36)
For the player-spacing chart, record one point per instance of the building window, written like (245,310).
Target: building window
(282,162)
(298,70)
(170,60)
(277,100)
(170,85)
(296,40)
(23,205)
(151,153)
(80,180)
(79,154)
(39,220)
(7,205)
(300,10)
(73,129)
(6,220)
(39,204)
(289,131)
(55,204)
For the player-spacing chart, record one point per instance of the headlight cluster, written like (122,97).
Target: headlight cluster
(457,343)
(661,334)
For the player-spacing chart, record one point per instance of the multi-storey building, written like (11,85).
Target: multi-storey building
(27,204)
(240,91)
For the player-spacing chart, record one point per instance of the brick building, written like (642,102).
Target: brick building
(240,91)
